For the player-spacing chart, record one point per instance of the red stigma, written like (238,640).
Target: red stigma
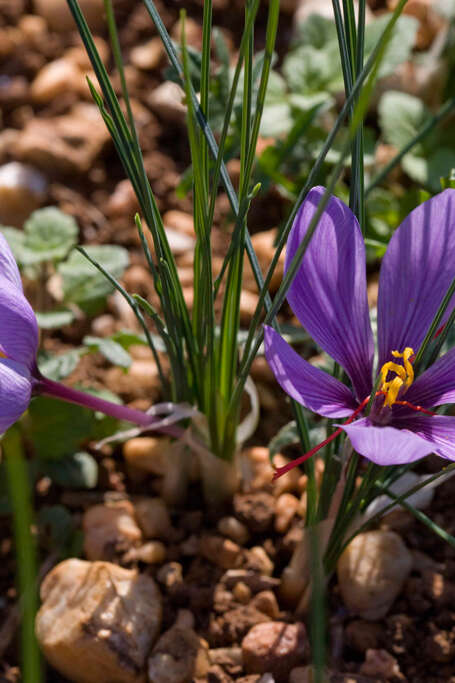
(279,471)
(439,331)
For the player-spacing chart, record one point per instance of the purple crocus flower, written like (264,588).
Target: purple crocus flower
(329,297)
(20,378)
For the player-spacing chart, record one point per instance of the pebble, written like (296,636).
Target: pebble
(64,144)
(122,201)
(248,304)
(179,242)
(440,646)
(257,582)
(233,529)
(324,8)
(55,79)
(264,246)
(180,221)
(137,278)
(59,18)
(109,530)
(144,372)
(193,32)
(98,621)
(242,592)
(258,560)
(303,505)
(103,325)
(372,571)
(153,517)
(8,141)
(266,602)
(167,102)
(153,552)
(190,546)
(170,574)
(179,656)
(363,635)
(185,619)
(257,470)
(255,510)
(275,647)
(222,552)
(230,658)
(147,453)
(286,507)
(430,19)
(289,482)
(22,190)
(234,624)
(147,56)
(380,663)
(78,54)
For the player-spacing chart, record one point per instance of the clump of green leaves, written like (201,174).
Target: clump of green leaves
(401,117)
(45,247)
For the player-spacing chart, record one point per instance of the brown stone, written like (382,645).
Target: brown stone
(179,656)
(372,571)
(275,647)
(363,635)
(64,144)
(221,551)
(55,79)
(110,530)
(147,453)
(380,663)
(59,17)
(153,517)
(149,55)
(256,510)
(233,529)
(98,621)
(234,624)
(286,507)
(153,552)
(256,468)
(22,190)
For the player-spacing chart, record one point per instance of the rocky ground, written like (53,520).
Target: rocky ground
(167,592)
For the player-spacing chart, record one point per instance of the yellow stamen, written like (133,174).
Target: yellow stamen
(404,376)
(3,355)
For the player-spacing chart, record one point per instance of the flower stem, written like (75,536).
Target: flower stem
(21,500)
(48,387)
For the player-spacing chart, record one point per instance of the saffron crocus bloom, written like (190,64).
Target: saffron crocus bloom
(328,295)
(20,378)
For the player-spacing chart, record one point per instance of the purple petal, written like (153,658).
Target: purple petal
(416,272)
(436,385)
(8,266)
(311,387)
(438,431)
(15,392)
(328,294)
(386,445)
(18,326)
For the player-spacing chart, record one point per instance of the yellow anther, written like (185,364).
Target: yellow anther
(3,355)
(404,375)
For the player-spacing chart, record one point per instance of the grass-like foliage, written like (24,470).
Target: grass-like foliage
(207,368)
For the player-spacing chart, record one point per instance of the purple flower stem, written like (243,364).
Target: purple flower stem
(47,387)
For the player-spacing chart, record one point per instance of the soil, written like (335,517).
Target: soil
(227,590)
